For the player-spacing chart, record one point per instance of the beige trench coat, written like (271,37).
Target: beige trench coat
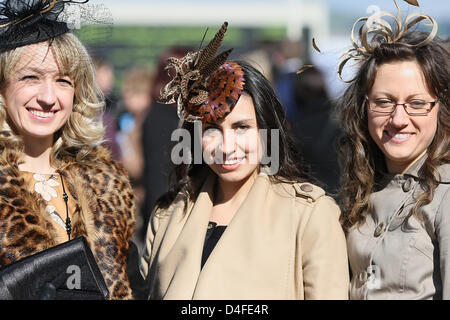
(392,258)
(284,242)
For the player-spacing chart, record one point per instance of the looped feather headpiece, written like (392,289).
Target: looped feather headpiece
(205,86)
(377,29)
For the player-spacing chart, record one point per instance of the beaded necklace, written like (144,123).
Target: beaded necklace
(66,199)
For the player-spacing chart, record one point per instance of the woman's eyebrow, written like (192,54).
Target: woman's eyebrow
(390,96)
(415,95)
(243,121)
(36,70)
(208,125)
(387,94)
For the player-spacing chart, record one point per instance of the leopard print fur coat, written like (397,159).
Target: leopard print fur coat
(104,213)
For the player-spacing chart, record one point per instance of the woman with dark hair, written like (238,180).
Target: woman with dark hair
(233,227)
(395,151)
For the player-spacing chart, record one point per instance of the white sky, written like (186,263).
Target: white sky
(439,9)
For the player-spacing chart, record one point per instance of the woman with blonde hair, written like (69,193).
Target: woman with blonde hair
(395,194)
(57,182)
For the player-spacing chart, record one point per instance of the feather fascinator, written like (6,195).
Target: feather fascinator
(24,22)
(377,29)
(206,86)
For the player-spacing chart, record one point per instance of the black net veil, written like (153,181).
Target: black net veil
(24,22)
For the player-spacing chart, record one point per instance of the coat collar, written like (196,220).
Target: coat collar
(394,192)
(398,193)
(185,237)
(250,207)
(104,208)
(413,171)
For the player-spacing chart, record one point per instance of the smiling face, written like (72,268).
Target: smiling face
(233,143)
(38,98)
(402,138)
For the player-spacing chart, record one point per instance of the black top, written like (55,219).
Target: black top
(213,234)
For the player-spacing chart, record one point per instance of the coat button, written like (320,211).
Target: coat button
(408,184)
(306,187)
(363,277)
(379,229)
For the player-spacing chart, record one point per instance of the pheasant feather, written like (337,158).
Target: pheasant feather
(209,52)
(205,86)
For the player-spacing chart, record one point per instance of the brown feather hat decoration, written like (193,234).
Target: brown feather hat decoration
(377,29)
(205,86)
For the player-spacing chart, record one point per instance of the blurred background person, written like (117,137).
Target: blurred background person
(316,128)
(309,111)
(291,57)
(157,128)
(136,102)
(260,57)
(104,76)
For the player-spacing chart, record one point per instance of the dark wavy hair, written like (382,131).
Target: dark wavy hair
(361,160)
(269,115)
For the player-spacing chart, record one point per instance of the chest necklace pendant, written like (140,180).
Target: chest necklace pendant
(66,199)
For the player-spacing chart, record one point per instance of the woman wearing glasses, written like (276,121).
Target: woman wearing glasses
(395,193)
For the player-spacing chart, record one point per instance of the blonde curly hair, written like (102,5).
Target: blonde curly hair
(84,129)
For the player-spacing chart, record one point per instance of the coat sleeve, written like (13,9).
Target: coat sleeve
(144,264)
(443,237)
(324,253)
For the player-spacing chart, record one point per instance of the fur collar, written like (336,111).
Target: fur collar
(104,213)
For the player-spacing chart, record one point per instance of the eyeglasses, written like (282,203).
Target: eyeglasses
(413,108)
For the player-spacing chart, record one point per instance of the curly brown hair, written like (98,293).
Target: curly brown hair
(361,160)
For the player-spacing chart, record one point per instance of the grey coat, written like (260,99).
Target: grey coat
(392,257)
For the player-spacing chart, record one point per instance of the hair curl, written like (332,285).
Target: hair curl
(84,129)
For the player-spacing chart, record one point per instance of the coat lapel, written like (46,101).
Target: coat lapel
(180,252)
(251,206)
(243,247)
(240,248)
(391,204)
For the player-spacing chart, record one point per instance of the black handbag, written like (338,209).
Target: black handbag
(65,272)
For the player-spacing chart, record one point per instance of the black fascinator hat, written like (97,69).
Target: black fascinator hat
(24,22)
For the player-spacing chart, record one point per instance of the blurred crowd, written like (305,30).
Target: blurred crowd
(138,127)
